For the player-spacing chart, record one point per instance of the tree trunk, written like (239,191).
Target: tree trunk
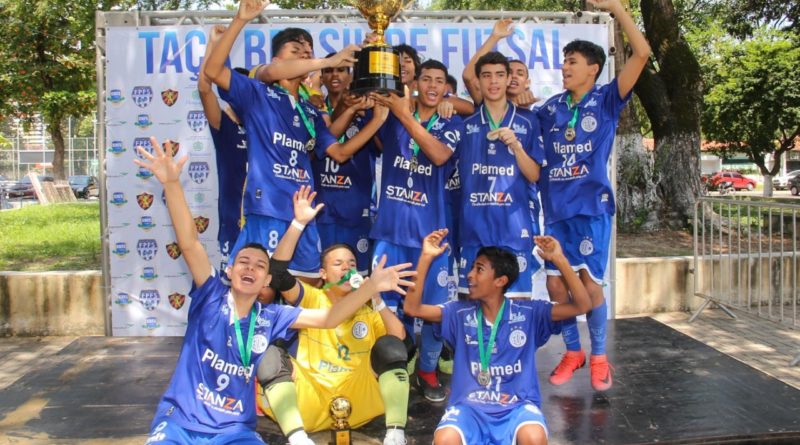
(57,136)
(671,92)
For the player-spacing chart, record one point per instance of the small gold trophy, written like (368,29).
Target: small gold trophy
(340,430)
(378,65)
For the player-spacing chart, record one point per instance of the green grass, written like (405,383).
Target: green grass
(54,237)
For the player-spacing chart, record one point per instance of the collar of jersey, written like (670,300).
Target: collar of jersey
(232,310)
(511,107)
(563,98)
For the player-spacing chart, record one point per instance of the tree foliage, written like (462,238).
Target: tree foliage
(743,18)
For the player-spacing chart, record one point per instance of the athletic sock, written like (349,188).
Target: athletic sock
(394,387)
(299,438)
(282,398)
(429,377)
(429,349)
(570,334)
(597,319)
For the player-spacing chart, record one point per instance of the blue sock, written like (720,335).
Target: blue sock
(597,319)
(570,334)
(429,350)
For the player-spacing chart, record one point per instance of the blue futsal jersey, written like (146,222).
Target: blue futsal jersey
(412,202)
(208,392)
(230,142)
(575,179)
(278,144)
(525,326)
(345,188)
(494,192)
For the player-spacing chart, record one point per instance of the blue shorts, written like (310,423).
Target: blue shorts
(521,288)
(435,291)
(476,426)
(356,237)
(268,232)
(585,242)
(166,431)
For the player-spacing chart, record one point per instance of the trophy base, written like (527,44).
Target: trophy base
(340,437)
(377,70)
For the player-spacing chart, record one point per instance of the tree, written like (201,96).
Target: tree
(752,104)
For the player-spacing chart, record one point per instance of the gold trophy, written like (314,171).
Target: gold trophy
(378,65)
(340,430)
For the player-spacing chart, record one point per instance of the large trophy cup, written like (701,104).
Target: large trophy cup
(340,409)
(378,65)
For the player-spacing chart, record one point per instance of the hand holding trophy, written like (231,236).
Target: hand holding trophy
(378,65)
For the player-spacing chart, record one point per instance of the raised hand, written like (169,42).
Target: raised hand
(398,105)
(161,164)
(503,28)
(304,211)
(432,244)
(549,248)
(216,34)
(525,99)
(345,57)
(380,112)
(606,5)
(250,9)
(445,109)
(387,279)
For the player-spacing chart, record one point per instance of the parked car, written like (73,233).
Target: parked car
(735,179)
(24,188)
(794,185)
(781,182)
(83,186)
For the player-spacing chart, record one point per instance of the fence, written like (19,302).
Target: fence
(80,157)
(746,258)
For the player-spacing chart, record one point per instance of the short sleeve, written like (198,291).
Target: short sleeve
(535,147)
(612,103)
(242,92)
(452,133)
(323,135)
(446,329)
(280,318)
(212,290)
(543,324)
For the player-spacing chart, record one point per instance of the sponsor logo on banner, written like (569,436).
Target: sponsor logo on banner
(123,299)
(151,323)
(142,95)
(144,174)
(173,251)
(149,273)
(149,299)
(196,120)
(169,97)
(145,144)
(175,147)
(176,300)
(118,199)
(146,223)
(198,147)
(115,97)
(116,148)
(143,121)
(145,200)
(201,222)
(120,249)
(147,248)
(198,171)
(199,198)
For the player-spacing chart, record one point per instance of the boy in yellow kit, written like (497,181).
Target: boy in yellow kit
(335,362)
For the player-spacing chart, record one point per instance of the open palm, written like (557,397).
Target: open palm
(162,165)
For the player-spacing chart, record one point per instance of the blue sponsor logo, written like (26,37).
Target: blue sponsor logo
(149,273)
(146,223)
(196,120)
(116,148)
(118,199)
(115,97)
(147,248)
(145,144)
(151,323)
(198,171)
(142,95)
(149,298)
(144,173)
(123,299)
(120,249)
(143,121)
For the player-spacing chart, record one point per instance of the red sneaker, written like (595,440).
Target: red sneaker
(571,361)
(601,372)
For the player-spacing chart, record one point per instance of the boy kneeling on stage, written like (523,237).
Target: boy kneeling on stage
(495,393)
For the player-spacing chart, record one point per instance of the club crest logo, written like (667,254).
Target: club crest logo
(116,148)
(517,338)
(201,222)
(147,248)
(589,123)
(176,300)
(173,251)
(120,249)
(145,200)
(151,323)
(142,95)
(143,121)
(176,146)
(123,299)
(146,223)
(149,299)
(149,273)
(360,330)
(115,97)
(144,174)
(118,199)
(196,120)
(586,247)
(145,144)
(198,171)
(169,97)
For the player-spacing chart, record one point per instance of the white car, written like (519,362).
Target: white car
(782,182)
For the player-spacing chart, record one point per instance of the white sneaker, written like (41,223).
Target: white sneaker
(395,436)
(300,438)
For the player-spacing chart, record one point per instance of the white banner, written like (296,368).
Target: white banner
(151,90)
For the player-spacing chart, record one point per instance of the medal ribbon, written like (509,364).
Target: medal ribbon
(492,125)
(434,118)
(574,109)
(245,349)
(346,277)
(306,121)
(330,111)
(486,352)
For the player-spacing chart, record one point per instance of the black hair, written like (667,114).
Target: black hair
(254,245)
(287,35)
(328,56)
(453,83)
(521,63)
(491,58)
(431,64)
(411,52)
(333,247)
(503,262)
(592,52)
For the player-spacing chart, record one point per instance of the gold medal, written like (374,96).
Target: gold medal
(484,379)
(569,134)
(310,144)
(414,163)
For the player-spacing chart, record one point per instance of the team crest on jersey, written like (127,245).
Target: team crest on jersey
(115,97)
(589,123)
(123,299)
(121,249)
(473,128)
(351,132)
(147,248)
(360,330)
(151,323)
(149,299)
(517,338)
(142,95)
(173,149)
(144,174)
(143,121)
(176,300)
(196,120)
(586,246)
(118,199)
(198,171)
(169,97)
(522,262)
(145,200)
(146,223)
(116,148)
(201,222)
(442,278)
(260,343)
(519,129)
(145,144)
(362,245)
(173,251)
